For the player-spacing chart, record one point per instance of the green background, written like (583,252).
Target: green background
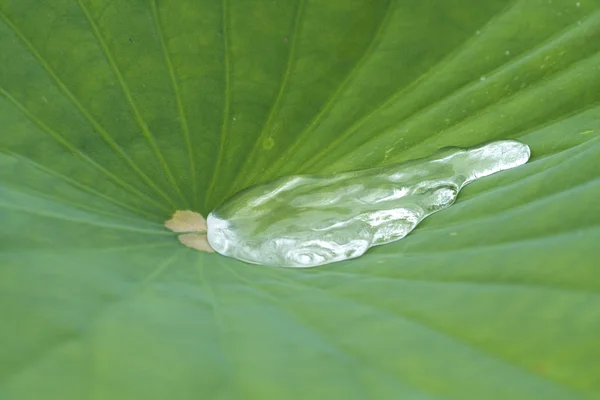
(113,114)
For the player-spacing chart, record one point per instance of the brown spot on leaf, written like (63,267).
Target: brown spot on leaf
(186,221)
(196,241)
(193,225)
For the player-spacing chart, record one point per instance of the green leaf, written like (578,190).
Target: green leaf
(114,114)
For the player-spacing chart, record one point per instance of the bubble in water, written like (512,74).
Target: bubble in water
(309,220)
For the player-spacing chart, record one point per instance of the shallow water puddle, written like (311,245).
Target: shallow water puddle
(309,220)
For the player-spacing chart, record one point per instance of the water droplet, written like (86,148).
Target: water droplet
(507,52)
(483,78)
(309,220)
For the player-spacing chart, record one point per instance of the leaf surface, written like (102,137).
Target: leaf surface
(115,114)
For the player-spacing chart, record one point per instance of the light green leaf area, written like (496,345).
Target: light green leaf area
(114,114)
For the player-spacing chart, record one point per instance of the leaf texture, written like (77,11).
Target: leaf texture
(115,114)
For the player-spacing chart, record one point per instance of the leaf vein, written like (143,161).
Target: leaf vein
(129,96)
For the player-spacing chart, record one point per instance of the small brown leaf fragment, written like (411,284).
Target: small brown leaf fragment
(196,241)
(193,225)
(186,221)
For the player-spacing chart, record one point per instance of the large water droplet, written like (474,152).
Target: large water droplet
(309,220)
